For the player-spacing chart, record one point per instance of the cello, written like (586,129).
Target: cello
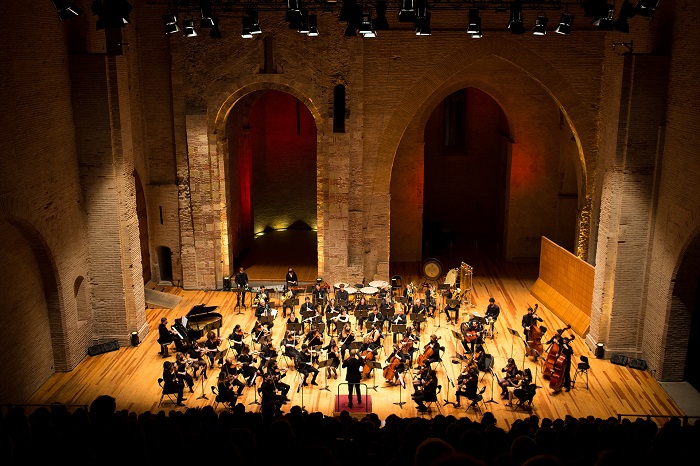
(428,352)
(557,378)
(390,369)
(553,353)
(367,354)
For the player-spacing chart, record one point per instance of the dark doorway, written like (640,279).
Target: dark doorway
(165,264)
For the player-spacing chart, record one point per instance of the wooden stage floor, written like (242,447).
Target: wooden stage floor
(130,374)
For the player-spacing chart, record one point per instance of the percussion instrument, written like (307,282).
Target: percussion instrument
(337,285)
(451,277)
(369,290)
(351,290)
(378,284)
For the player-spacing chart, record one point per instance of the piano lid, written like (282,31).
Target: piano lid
(200,309)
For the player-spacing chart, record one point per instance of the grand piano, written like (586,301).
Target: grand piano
(200,320)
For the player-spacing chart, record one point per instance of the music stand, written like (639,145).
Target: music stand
(289,304)
(342,303)
(403,300)
(374,365)
(372,301)
(355,345)
(266,319)
(418,317)
(458,336)
(515,335)
(295,327)
(320,326)
(238,306)
(361,314)
(321,365)
(398,328)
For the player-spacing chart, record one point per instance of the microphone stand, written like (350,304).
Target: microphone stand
(450,382)
(493,374)
(255,390)
(203,396)
(324,365)
(401,385)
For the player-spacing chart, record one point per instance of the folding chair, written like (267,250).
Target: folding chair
(432,401)
(164,393)
(478,398)
(582,369)
(525,397)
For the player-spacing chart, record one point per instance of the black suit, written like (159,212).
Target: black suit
(353,376)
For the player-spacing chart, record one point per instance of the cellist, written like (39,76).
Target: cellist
(396,365)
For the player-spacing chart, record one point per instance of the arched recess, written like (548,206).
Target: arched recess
(243,96)
(681,338)
(449,76)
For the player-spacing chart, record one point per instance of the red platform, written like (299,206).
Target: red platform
(341,404)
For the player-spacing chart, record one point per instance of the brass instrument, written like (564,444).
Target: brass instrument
(411,290)
(288,295)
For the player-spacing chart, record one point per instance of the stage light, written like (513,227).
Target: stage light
(516,18)
(292,13)
(366,28)
(66,10)
(313,28)
(474,27)
(207,20)
(303,22)
(407,14)
(606,22)
(565,23)
(215,32)
(245,28)
(170,23)
(254,22)
(540,28)
(424,28)
(646,7)
(188,28)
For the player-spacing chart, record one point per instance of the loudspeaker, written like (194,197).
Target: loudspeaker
(640,364)
(227,283)
(619,359)
(103,348)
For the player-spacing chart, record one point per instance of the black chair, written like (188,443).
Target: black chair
(582,369)
(432,401)
(165,393)
(396,284)
(525,396)
(478,398)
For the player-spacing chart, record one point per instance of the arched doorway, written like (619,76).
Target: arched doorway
(272,181)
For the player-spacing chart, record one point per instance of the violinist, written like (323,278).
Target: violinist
(467,383)
(181,366)
(398,361)
(276,374)
(237,336)
(212,346)
(361,306)
(530,319)
(172,383)
(332,311)
(479,357)
(314,337)
(248,370)
(508,379)
(371,340)
(289,342)
(398,319)
(226,393)
(270,395)
(521,381)
(230,371)
(305,365)
(333,352)
(429,390)
(267,352)
(195,357)
(451,294)
(346,339)
(319,297)
(259,331)
(418,308)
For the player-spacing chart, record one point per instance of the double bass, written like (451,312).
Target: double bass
(553,353)
(557,378)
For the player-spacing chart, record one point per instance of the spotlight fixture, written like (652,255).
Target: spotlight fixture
(188,28)
(303,22)
(565,22)
(170,23)
(407,14)
(207,20)
(293,13)
(245,28)
(516,18)
(424,28)
(313,28)
(646,8)
(380,22)
(66,10)
(474,24)
(215,32)
(606,22)
(540,28)
(254,22)
(366,28)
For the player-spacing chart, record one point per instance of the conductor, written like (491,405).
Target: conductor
(353,376)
